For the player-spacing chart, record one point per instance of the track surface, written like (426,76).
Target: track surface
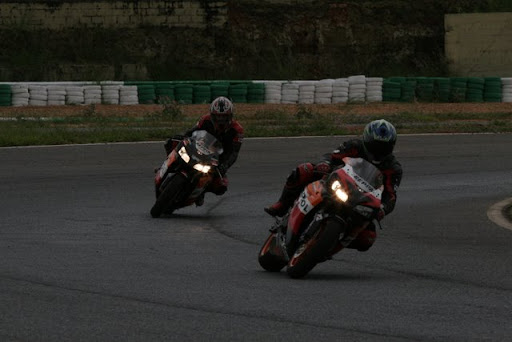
(82,260)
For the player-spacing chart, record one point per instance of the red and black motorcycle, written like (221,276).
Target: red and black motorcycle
(326,217)
(186,173)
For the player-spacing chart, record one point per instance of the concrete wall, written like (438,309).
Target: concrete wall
(61,15)
(479,44)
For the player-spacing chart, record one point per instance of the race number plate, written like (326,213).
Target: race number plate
(310,197)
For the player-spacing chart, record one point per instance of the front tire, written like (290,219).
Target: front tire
(271,256)
(168,195)
(314,250)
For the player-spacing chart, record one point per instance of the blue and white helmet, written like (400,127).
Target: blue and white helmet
(379,138)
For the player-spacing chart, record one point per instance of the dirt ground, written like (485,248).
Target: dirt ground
(250,109)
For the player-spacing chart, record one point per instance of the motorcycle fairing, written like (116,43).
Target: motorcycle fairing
(363,182)
(165,166)
(307,201)
(193,158)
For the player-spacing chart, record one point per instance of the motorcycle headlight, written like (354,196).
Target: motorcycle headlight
(202,168)
(338,191)
(184,155)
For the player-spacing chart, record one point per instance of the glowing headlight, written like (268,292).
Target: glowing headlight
(183,154)
(336,187)
(202,168)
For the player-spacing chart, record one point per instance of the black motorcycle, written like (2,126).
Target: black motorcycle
(186,173)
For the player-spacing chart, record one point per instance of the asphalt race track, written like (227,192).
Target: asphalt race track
(82,260)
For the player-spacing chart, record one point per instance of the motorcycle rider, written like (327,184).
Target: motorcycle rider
(229,132)
(376,146)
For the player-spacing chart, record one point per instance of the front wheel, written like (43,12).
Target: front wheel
(169,194)
(271,256)
(314,250)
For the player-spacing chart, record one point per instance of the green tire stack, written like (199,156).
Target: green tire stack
(458,88)
(238,92)
(441,89)
(219,89)
(492,89)
(184,93)
(202,93)
(164,92)
(256,93)
(5,95)
(475,90)
(425,89)
(146,93)
(392,89)
(408,89)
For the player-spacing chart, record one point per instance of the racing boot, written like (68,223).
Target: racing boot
(295,182)
(285,202)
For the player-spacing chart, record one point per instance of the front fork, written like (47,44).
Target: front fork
(294,239)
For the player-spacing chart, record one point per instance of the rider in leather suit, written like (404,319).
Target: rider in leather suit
(220,123)
(376,146)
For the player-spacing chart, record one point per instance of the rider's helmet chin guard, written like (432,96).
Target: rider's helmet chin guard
(221,113)
(379,139)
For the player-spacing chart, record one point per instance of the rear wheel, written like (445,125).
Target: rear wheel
(168,195)
(271,256)
(314,250)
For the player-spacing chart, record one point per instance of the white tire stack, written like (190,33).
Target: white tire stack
(357,88)
(128,95)
(38,95)
(289,93)
(74,95)
(273,91)
(323,91)
(340,90)
(110,94)
(374,89)
(56,95)
(92,94)
(20,95)
(506,90)
(306,91)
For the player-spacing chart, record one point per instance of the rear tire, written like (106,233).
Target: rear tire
(271,256)
(311,252)
(168,195)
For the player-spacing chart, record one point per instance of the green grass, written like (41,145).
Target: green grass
(93,128)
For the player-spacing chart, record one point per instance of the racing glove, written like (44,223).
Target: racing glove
(172,142)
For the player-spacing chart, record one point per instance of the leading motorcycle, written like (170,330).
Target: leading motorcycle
(186,172)
(327,216)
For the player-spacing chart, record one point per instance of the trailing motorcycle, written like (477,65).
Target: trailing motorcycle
(186,173)
(327,216)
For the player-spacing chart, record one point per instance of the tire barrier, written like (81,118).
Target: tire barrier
(5,95)
(92,94)
(352,89)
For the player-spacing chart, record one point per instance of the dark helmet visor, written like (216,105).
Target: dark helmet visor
(379,149)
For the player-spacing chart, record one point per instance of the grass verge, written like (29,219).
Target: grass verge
(104,123)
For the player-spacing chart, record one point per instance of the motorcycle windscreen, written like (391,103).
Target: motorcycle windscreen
(366,175)
(206,143)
